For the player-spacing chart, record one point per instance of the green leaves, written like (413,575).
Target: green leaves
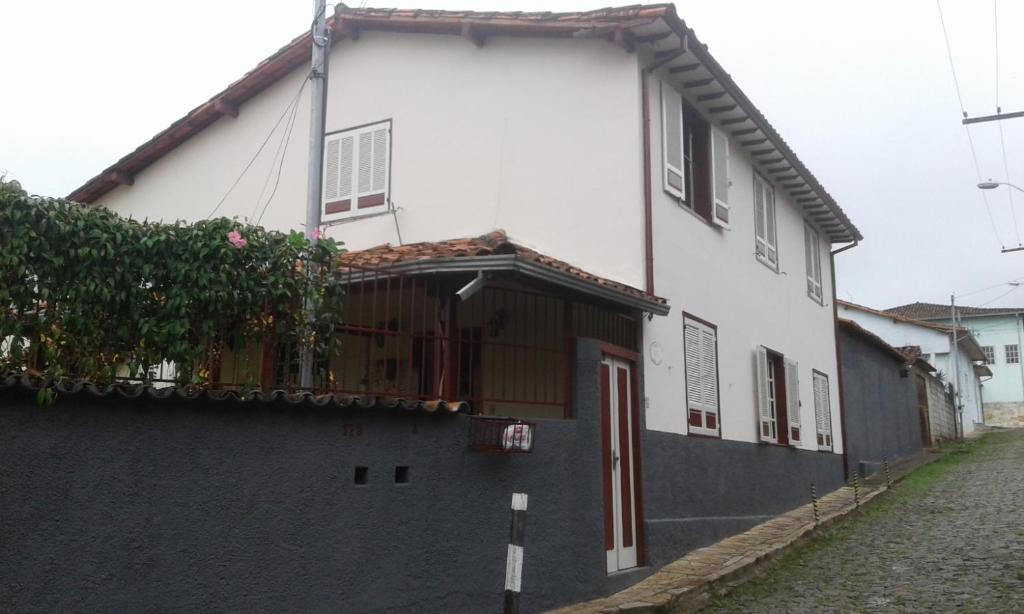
(91,292)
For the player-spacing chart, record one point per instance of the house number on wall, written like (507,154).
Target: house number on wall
(352,430)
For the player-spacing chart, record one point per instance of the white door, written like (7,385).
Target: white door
(620,517)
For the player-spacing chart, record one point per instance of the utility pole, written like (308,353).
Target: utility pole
(955,362)
(321,45)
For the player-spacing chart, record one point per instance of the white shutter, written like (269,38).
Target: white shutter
(672,140)
(822,412)
(693,364)
(763,407)
(813,259)
(709,370)
(760,236)
(337,186)
(345,166)
(365,164)
(380,159)
(720,177)
(769,208)
(331,162)
(793,400)
(702,371)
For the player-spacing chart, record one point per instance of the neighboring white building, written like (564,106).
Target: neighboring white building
(447,124)
(935,341)
(1000,333)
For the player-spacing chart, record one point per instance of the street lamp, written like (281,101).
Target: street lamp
(991,185)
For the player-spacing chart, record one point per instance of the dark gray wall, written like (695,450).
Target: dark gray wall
(882,419)
(114,505)
(699,490)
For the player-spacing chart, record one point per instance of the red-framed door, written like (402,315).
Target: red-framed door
(620,442)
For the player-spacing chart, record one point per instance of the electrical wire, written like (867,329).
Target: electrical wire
(281,144)
(999,123)
(259,150)
(967,128)
(980,290)
(284,139)
(989,302)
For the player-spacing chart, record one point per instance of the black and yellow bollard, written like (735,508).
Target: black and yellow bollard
(888,474)
(814,504)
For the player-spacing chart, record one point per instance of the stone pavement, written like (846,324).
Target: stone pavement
(689,583)
(954,545)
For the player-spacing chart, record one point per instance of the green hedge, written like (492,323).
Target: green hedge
(85,291)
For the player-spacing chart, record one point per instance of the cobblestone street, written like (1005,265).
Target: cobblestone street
(950,538)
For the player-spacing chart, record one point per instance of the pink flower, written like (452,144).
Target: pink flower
(316,234)
(235,238)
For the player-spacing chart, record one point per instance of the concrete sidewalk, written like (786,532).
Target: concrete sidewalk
(687,583)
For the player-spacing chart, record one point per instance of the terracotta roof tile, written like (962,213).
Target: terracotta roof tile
(495,243)
(21,382)
(935,311)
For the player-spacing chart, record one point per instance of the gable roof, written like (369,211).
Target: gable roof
(495,252)
(656,28)
(964,335)
(942,328)
(935,311)
(858,330)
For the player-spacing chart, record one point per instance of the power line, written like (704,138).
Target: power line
(1002,139)
(284,139)
(282,143)
(1013,289)
(979,291)
(970,139)
(258,150)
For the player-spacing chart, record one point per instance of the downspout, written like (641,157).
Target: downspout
(645,129)
(648,213)
(839,360)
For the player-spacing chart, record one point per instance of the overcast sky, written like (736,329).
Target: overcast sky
(862,91)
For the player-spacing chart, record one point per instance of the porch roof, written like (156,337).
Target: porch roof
(494,252)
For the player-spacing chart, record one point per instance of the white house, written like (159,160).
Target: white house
(1000,333)
(611,148)
(936,343)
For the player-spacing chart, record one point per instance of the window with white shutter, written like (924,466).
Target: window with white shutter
(356,170)
(701,352)
(720,181)
(765,374)
(793,400)
(672,141)
(765,248)
(812,252)
(822,411)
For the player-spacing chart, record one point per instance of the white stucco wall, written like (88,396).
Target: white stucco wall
(543,139)
(935,343)
(538,137)
(713,274)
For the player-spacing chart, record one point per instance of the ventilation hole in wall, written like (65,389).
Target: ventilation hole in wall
(362,475)
(401,474)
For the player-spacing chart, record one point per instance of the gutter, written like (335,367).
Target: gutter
(510,263)
(839,360)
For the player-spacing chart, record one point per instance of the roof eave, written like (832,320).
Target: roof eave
(510,263)
(842,229)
